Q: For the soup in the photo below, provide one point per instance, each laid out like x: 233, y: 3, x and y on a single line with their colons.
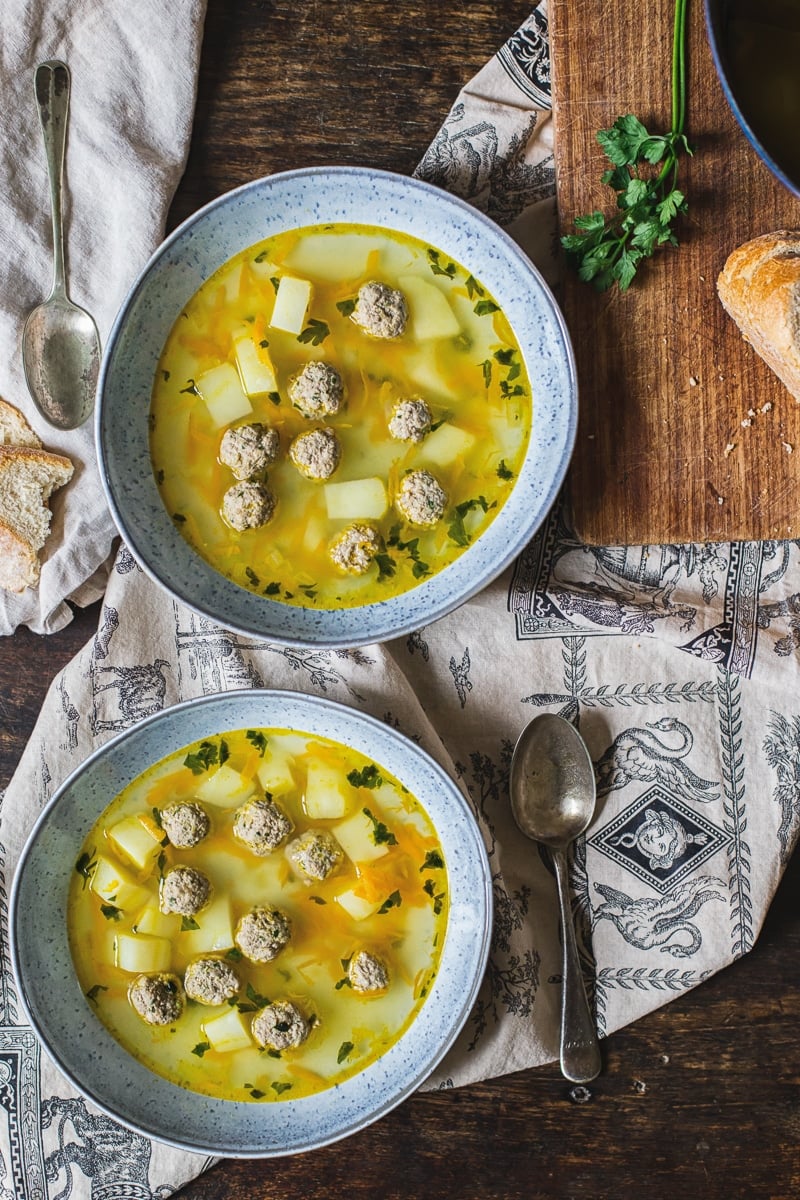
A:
x: 316, y: 450
x: 260, y: 915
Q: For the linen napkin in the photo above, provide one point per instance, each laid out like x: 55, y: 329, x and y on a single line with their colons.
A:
x: 134, y: 73
x: 678, y: 664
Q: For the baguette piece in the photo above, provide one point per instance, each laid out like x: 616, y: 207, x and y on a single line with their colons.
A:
x: 28, y: 478
x: 14, y: 429
x: 760, y: 288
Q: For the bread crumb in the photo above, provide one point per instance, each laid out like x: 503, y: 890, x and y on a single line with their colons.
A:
x: 766, y: 406
x: 751, y: 412
x: 746, y: 422
x: 729, y: 449
x: 720, y: 500
x: 692, y: 381
x: 788, y: 447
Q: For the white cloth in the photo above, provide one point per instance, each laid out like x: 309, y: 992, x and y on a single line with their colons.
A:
x: 678, y: 663
x: 134, y: 75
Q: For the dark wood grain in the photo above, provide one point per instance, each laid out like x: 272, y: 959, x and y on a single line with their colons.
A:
x: 665, y: 377
x: 701, y: 1098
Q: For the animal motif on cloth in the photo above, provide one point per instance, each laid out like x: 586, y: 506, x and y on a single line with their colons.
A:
x: 661, y: 838
x: 637, y: 754
x: 647, y: 922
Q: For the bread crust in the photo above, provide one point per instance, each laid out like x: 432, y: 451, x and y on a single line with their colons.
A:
x: 19, y: 557
x: 14, y: 429
x: 759, y: 287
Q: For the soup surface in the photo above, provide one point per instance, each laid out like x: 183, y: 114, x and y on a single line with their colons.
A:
x: 362, y: 916
x: 230, y: 362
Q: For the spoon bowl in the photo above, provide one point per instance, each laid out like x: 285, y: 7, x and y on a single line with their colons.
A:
x: 60, y: 343
x: 553, y: 799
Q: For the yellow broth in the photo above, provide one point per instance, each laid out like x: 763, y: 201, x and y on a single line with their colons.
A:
x: 473, y: 379
x: 405, y: 887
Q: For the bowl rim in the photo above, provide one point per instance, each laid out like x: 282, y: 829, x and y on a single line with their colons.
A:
x: 481, y: 896
x: 713, y: 14
x: 384, y: 626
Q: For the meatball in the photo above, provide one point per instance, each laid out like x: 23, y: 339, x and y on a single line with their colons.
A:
x: 248, y: 505
x: 158, y: 999
x: 184, y: 890
x: 185, y: 824
x: 263, y: 933
x: 249, y: 449
x: 410, y: 420
x: 380, y: 310
x: 317, y: 391
x: 315, y: 854
x: 316, y: 454
x: 420, y: 499
x: 280, y: 1026
x: 355, y: 547
x: 261, y: 825
x: 210, y: 981
x: 367, y: 973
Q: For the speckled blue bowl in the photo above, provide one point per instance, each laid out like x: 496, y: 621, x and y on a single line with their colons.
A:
x: 197, y: 249
x: 104, y: 1072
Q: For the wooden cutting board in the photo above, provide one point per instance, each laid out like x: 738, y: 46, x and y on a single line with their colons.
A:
x: 665, y: 378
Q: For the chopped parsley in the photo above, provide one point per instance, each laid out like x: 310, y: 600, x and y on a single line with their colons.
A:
x: 201, y: 1048
x: 345, y: 1050
x: 255, y: 1092
x: 260, y: 257
x: 317, y: 900
x: 272, y: 589
x: 393, y: 901
x: 254, y: 1001
x: 252, y: 577
x: 386, y: 566
x: 279, y: 1087
x: 434, y: 261
x: 205, y: 756
x: 346, y: 307
x: 504, y: 472
x: 484, y: 307
x: 191, y: 389
x: 486, y: 366
x: 473, y: 287
x: 275, y: 281
x: 367, y: 777
x: 433, y: 861
x: 188, y: 923
x: 111, y: 912
x: 381, y: 834
x: 456, y: 530
x: 275, y: 397
x: 258, y: 739
x: 95, y: 991
x: 315, y: 332
x: 86, y: 865
x: 234, y: 954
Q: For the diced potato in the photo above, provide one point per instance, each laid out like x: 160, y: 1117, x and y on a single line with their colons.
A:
x: 356, y: 837
x: 431, y: 314
x: 225, y: 788
x: 255, y: 367
x: 445, y: 445
x: 133, y: 839
x: 357, y: 906
x: 356, y: 498
x: 214, y: 928
x: 138, y: 952
x: 115, y: 885
x: 332, y: 258
x: 275, y: 773
x: 328, y: 795
x: 314, y: 534
x: 291, y: 304
x: 151, y: 920
x: 263, y: 267
x: 221, y: 389
x: 229, y: 1032
x: 231, y: 281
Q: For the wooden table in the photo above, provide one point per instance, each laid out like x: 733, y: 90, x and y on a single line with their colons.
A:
x: 702, y: 1098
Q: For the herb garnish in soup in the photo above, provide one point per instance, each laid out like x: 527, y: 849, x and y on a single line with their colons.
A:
x: 337, y: 414
x: 260, y: 915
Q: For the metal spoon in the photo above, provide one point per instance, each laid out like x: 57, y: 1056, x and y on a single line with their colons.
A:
x: 553, y: 799
x: 60, y: 343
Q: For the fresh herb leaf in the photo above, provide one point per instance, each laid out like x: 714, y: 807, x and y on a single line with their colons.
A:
x: 643, y: 174
x: 435, y: 265
x: 315, y: 332
x: 381, y: 834
x: 473, y: 287
x: 111, y: 912
x: 179, y: 517
x: 456, y: 530
x: 484, y: 307
x: 258, y: 739
x: 252, y: 577
x: 317, y: 900
x: 367, y: 777
x: 165, y: 376
x: 198, y: 761
x: 224, y: 752
x: 346, y: 307
x: 343, y: 982
x: 188, y: 923
x: 433, y: 861
x: 275, y: 397
x: 191, y: 389
x: 486, y: 365
x: 503, y: 472
x: 255, y: 1092
x: 386, y: 566
x: 234, y: 954
x: 393, y: 901
x: 275, y: 281
x: 345, y: 1050
x: 86, y: 865
x: 254, y: 1001
x: 201, y: 1048
x: 272, y: 589
x: 260, y: 257
x: 279, y: 1087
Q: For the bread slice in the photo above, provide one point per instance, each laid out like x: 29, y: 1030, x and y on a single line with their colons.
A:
x: 760, y: 288
x: 14, y: 429
x: 28, y: 478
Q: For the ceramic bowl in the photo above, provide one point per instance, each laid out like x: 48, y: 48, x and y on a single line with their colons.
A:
x: 743, y: 40
x: 197, y: 249
x: 98, y: 1066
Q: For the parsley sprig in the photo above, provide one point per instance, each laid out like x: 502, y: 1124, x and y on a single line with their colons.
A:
x: 644, y: 173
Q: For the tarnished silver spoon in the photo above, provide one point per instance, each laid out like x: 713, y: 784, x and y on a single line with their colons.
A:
x: 60, y: 343
x: 553, y: 799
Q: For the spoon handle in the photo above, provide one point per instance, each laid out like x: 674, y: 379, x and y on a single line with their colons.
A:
x: 52, y: 86
x: 580, y: 1052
